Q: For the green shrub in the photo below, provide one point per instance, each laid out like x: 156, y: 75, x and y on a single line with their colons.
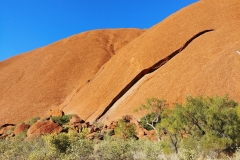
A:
x: 83, y: 133
x: 19, y: 149
x: 114, y: 149
x: 8, y: 132
x: 125, y: 130
x: 21, y: 136
x: 63, y: 119
x: 212, y: 124
x: 80, y: 149
x: 202, y: 128
x: 33, y: 120
x: 58, y: 143
x: 188, y: 154
x: 147, y: 150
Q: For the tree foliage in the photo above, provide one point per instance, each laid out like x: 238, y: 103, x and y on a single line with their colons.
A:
x: 62, y: 119
x: 149, y: 121
x: 58, y: 143
x: 211, y: 123
x: 151, y: 112
x: 125, y: 130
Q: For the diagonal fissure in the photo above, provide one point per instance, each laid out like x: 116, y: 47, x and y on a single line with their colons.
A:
x: 150, y: 70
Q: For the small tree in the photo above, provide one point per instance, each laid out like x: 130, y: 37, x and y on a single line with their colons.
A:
x: 171, y: 126
x: 125, y: 130
x: 149, y: 121
x: 151, y: 112
x: 211, y: 122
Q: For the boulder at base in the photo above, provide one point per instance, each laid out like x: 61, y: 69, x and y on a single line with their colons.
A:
x: 43, y: 127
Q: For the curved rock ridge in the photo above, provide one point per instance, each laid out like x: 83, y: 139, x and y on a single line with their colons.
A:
x: 199, y: 69
x: 34, y: 82
x: 150, y: 70
x: 43, y: 127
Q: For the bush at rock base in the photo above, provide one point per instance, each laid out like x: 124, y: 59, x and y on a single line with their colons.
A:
x: 187, y: 129
x: 62, y: 119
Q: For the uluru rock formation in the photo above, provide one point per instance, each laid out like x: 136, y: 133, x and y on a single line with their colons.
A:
x: 189, y: 53
x: 33, y: 83
x: 106, y: 74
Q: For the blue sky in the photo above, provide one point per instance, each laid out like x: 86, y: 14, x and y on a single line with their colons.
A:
x: 29, y: 24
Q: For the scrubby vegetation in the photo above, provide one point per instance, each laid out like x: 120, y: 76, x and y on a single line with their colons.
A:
x: 201, y: 128
x: 125, y: 130
x: 33, y: 120
x: 62, y: 119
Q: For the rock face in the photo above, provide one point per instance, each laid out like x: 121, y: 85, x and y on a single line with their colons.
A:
x: 105, y: 74
x: 76, y: 120
x: 43, y: 127
x: 56, y: 112
x: 192, y: 52
x: 34, y: 82
x: 21, y: 128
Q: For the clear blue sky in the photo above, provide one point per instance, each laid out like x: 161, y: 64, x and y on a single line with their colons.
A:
x: 29, y: 24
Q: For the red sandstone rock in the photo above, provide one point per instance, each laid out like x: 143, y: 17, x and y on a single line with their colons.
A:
x: 104, y: 75
x: 56, y: 112
x: 203, y: 37
x: 43, y: 127
x: 140, y: 133
x: 37, y: 81
x: 85, y: 125
x: 76, y: 120
x: 4, y: 129
x: 21, y: 128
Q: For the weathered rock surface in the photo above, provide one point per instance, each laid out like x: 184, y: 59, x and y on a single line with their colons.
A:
x: 56, y: 112
x: 76, y: 120
x: 207, y: 66
x: 21, y: 128
x: 6, y: 128
x: 103, y: 75
x: 43, y: 127
x: 192, y: 52
x: 34, y: 82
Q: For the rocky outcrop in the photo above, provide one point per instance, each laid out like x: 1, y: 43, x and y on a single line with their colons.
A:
x: 21, y: 128
x: 103, y: 75
x: 76, y: 121
x: 6, y: 131
x: 76, y: 126
x: 43, y: 127
x: 5, y: 128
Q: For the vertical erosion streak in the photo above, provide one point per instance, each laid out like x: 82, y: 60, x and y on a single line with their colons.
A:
x: 150, y: 70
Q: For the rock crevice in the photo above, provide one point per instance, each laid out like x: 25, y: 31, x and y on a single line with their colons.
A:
x: 150, y: 70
